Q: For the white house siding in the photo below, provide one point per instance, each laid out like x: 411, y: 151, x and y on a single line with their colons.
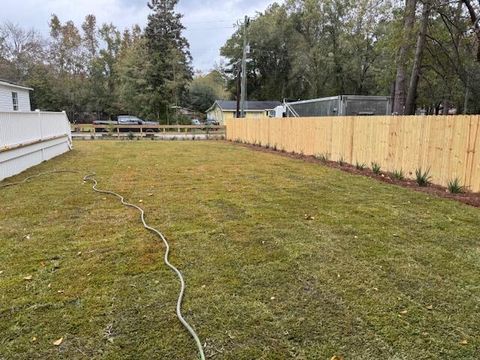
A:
x: 27, y: 139
x: 6, y: 103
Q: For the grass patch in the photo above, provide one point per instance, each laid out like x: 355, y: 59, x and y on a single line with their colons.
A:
x: 374, y: 272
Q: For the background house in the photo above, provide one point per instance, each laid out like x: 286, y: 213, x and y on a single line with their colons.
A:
x: 14, y: 97
x: 223, y: 110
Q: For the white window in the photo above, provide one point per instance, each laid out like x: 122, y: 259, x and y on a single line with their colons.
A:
x: 15, y: 101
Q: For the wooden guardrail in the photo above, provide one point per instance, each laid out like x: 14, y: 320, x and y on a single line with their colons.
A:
x: 117, y: 130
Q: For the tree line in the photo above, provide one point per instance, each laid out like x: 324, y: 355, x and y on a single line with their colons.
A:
x: 424, y: 53
x: 97, y: 71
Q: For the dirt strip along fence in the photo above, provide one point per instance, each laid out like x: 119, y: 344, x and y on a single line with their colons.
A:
x: 447, y: 145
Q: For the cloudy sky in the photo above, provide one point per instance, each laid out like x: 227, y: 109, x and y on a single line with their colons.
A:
x: 209, y: 22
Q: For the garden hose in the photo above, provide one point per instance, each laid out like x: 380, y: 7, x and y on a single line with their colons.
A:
x: 90, y: 178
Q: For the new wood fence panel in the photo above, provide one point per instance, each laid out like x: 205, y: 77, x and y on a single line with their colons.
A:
x: 474, y: 181
x: 447, y: 145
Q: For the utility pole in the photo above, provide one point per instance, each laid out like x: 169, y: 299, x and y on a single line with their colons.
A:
x: 244, y: 68
x: 239, y: 80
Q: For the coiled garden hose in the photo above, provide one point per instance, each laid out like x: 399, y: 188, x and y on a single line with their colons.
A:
x: 90, y: 178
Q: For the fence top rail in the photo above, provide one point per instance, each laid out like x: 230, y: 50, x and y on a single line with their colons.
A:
x: 33, y: 112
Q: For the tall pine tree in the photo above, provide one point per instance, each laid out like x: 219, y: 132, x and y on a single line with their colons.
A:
x: 170, y: 70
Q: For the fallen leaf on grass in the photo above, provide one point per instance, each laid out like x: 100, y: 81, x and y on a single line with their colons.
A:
x: 309, y: 217
x: 1, y: 272
x: 403, y: 312
x: 335, y: 357
x: 29, y: 277
x: 464, y: 342
x: 58, y: 342
x: 430, y: 307
x: 140, y: 201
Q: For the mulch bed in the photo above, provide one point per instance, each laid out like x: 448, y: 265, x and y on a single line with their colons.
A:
x: 468, y: 198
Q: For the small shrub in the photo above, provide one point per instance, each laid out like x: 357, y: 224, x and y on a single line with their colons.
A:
x: 422, y: 177
x: 324, y: 158
x: 376, y: 168
x: 341, y: 161
x: 173, y: 138
x: 360, y: 166
x: 274, y: 147
x: 398, y: 174
x: 130, y: 135
x: 455, y: 187
x: 267, y: 146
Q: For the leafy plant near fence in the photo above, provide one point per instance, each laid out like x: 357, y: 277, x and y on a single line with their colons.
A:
x: 360, y: 166
x: 376, y: 168
x: 341, y: 161
x: 454, y: 186
x: 422, y: 177
x: 398, y: 175
x: 324, y: 157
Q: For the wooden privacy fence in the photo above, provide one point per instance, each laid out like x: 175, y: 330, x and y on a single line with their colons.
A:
x: 447, y: 145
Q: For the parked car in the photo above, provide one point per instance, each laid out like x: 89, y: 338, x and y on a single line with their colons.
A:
x: 129, y: 120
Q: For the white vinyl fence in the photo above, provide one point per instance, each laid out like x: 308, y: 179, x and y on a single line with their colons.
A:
x: 29, y: 138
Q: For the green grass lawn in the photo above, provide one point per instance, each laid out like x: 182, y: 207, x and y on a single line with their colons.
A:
x: 380, y: 272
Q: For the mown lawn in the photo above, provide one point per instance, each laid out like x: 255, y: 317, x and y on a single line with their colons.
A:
x: 380, y: 272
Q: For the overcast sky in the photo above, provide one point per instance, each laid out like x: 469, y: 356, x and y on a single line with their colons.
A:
x: 209, y: 22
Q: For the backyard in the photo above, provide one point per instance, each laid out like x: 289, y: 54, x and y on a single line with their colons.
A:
x: 282, y: 259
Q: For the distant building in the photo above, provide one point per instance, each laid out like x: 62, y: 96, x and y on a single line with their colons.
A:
x: 343, y: 105
x: 223, y: 110
x: 14, y: 97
